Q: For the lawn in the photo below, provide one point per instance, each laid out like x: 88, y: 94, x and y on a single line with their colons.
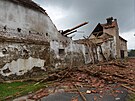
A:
x: 131, y: 97
x: 12, y: 90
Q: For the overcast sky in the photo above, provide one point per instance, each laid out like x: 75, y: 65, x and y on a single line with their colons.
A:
x: 66, y: 14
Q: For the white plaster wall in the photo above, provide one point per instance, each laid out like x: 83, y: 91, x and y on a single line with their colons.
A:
x: 22, y: 65
x: 123, y: 46
x: 100, y: 58
x: 115, y: 47
x: 106, y: 49
x: 16, y: 16
x: 87, y: 56
x: 74, y: 47
x: 54, y: 46
x: 77, y: 48
x: 115, y: 33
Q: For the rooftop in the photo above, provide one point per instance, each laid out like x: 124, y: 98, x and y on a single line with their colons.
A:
x: 29, y: 4
x: 122, y: 39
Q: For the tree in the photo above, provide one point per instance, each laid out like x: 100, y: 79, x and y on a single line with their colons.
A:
x: 131, y: 53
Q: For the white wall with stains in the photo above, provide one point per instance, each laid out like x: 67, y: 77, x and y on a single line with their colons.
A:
x: 17, y: 16
x: 19, y: 58
x: 21, y: 66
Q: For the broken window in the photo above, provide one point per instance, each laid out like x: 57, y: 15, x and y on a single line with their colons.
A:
x: 86, y: 51
x: 61, y: 51
x: 4, y: 51
x: 19, y: 29
x: 5, y: 28
x: 122, y: 54
x: 46, y: 34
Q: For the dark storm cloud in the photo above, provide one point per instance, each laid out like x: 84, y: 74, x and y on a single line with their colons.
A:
x: 94, y: 11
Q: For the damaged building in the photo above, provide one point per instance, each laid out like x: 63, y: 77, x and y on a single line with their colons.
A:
x: 104, y: 43
x: 114, y: 46
x: 30, y: 43
x: 29, y: 40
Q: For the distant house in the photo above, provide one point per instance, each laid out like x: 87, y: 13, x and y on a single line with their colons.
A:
x: 113, y: 45
x: 104, y: 43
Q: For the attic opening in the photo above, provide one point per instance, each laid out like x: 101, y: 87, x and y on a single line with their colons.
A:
x: 98, y: 31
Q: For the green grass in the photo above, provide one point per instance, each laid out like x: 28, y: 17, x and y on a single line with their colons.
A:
x: 15, y: 89
x: 131, y: 97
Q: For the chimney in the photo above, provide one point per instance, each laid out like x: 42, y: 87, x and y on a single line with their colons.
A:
x: 115, y: 20
x: 109, y: 20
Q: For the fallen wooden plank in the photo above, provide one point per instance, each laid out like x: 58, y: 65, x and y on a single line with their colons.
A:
x: 83, y: 97
x: 129, y: 88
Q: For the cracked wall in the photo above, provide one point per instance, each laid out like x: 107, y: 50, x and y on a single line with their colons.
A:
x: 19, y: 58
x: 72, y: 54
x: 24, y: 33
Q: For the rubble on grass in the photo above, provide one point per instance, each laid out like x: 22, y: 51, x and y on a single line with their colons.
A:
x: 100, y: 77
